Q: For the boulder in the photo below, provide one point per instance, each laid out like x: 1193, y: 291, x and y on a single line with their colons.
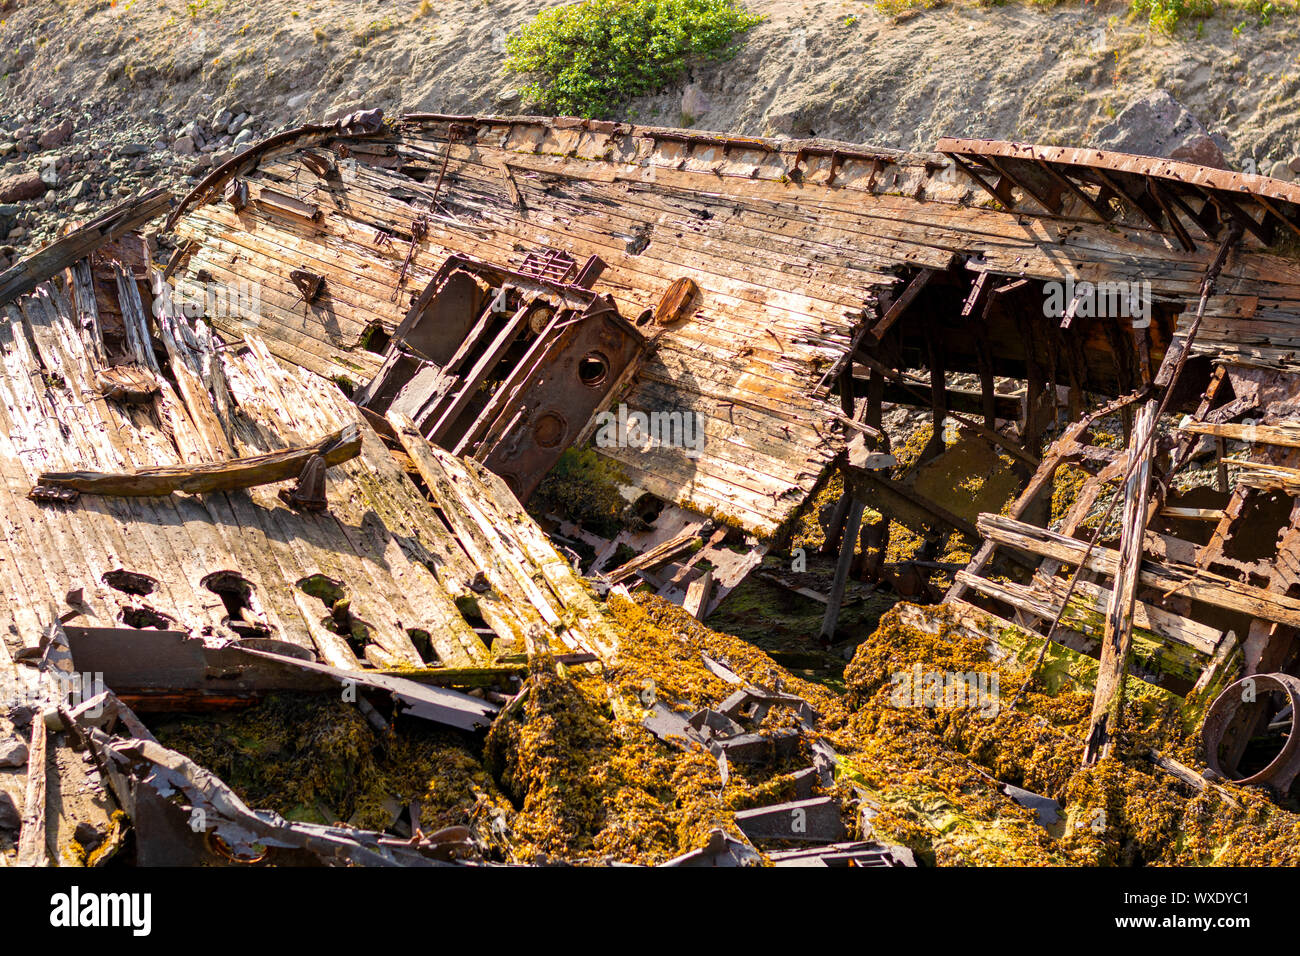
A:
x: 694, y: 103
x: 56, y: 136
x: 10, y: 819
x: 21, y: 186
x: 1158, y: 125
x: 20, y: 715
x: 13, y: 751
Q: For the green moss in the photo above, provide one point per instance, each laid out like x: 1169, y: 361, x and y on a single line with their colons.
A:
x: 584, y: 486
x: 315, y: 758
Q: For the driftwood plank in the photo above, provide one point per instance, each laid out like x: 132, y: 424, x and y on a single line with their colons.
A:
x: 1088, y: 602
x: 1286, y: 434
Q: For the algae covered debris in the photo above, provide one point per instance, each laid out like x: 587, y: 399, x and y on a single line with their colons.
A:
x: 570, y: 773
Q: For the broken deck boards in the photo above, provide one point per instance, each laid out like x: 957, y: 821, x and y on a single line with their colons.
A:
x: 374, y: 581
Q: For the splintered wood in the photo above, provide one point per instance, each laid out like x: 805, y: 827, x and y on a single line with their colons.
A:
x: 770, y: 263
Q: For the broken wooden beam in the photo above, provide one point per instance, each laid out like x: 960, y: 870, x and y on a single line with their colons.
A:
x: 659, y: 554
x: 1117, y: 643
x: 697, y: 595
x: 1255, y: 474
x: 1285, y: 434
x: 1195, y: 514
x: 1193, y: 583
x: 847, y: 548
x: 32, y: 850
x: 341, y: 446
x: 919, y: 282
x: 1087, y: 603
x: 26, y: 274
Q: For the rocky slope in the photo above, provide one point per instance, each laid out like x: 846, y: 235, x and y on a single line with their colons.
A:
x: 100, y: 98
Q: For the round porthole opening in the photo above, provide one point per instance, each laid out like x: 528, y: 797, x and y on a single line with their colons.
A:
x: 593, y: 370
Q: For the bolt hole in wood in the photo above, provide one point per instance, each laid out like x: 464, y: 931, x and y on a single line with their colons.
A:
x: 340, y: 619
x: 236, y: 593
x: 130, y: 582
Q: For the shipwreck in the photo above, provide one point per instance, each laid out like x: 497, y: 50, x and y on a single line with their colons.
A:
x: 308, y: 456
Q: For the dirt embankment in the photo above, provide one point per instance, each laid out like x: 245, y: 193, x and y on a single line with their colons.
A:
x: 104, y: 97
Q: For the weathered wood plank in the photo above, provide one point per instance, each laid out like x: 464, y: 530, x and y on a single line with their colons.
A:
x: 248, y: 472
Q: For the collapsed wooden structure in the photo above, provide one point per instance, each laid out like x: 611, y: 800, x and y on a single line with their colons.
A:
x: 771, y: 276
x: 129, y: 514
x: 491, y: 290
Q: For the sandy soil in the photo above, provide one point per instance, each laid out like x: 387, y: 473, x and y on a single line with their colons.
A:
x: 835, y: 68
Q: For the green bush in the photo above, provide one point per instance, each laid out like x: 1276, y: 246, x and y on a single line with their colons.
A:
x: 590, y: 57
x: 1163, y: 16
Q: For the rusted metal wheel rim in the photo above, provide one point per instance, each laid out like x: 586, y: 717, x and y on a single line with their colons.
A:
x: 1283, y: 768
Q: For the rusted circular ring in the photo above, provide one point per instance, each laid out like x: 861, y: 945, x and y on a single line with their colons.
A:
x: 1282, y: 770
x: 219, y: 847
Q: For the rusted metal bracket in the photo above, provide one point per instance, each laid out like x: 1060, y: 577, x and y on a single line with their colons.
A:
x: 837, y: 156
x: 236, y: 193
x: 419, y: 230
x: 308, y: 494
x: 728, y: 143
x: 309, y: 284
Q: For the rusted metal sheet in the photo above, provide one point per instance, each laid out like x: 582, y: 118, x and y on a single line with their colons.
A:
x: 513, y: 394
x: 553, y: 401
x: 161, y: 666
x: 185, y: 815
